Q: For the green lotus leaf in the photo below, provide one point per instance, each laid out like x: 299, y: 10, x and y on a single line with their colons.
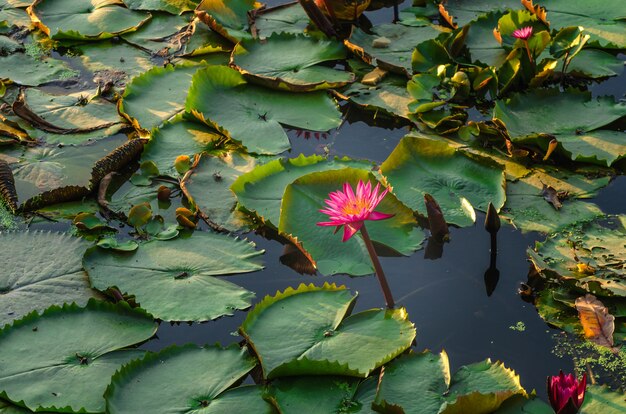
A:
x: 291, y: 62
x: 570, y: 112
x: 82, y: 19
x: 388, y: 96
x: 421, y: 384
x: 396, y: 56
x: 458, y: 181
x: 198, y: 381
x: 27, y: 70
x: 8, y: 408
x: 183, y: 268
x: 83, y: 348
x: 304, y: 198
x: 170, y: 6
x: 210, y: 187
x: 261, y: 190
x: 229, y: 19
x: 307, y: 331
x: 340, y: 394
x: 600, y: 399
x: 46, y: 278
x: 130, y: 195
x: 527, y: 209
x: 12, y: 13
x: 179, y: 136
x: 603, y: 21
x: 287, y: 18
x: 253, y: 115
x: 428, y: 55
x: 519, y: 404
x: 599, y: 245
x: 594, y: 63
x: 157, y: 95
x: 482, y: 45
x: 56, y: 174
x: 114, y: 62
x: 160, y: 32
x: 465, y: 12
x: 83, y: 117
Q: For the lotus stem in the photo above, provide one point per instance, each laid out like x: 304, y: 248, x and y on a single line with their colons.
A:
x: 530, y: 56
x: 379, y: 269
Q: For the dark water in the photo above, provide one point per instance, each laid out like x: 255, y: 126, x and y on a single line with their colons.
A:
x: 445, y: 298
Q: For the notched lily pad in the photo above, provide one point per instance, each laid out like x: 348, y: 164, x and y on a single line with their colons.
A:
x: 291, y: 62
x: 83, y: 348
x: 307, y: 331
x: 229, y: 19
x: 183, y: 267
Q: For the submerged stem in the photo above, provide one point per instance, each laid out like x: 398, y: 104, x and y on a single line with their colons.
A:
x: 379, y: 269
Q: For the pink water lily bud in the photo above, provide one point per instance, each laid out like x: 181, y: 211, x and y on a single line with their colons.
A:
x: 524, y: 33
x: 349, y: 209
x: 566, y: 393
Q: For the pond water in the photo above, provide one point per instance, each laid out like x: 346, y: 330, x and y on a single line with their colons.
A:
x: 448, y: 299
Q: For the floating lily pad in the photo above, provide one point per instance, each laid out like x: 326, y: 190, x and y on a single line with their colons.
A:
x: 305, y: 197
x: 47, y: 278
x: 170, y: 6
x: 458, y: 181
x: 570, y: 112
x: 291, y: 62
x: 229, y: 19
x: 253, y: 115
x: 591, y: 255
x: 179, y: 137
x: 261, y: 190
x: 160, y: 33
x: 307, y: 331
x: 286, y: 18
x: 130, y: 195
x: 26, y: 70
x: 198, y: 380
x: 210, y: 187
x: 395, y: 56
x: 601, y: 146
x: 602, y: 400
x: 483, y: 47
x: 83, y: 348
x: 341, y: 394
x: 12, y: 13
x: 85, y: 19
x: 527, y: 209
x: 182, y: 268
x: 594, y: 63
x: 422, y: 384
x: 157, y: 95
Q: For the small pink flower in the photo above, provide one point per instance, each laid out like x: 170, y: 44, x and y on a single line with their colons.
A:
x: 566, y: 393
x: 345, y: 208
x: 524, y: 33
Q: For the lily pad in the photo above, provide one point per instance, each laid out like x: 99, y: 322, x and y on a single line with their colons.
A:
x: 12, y: 13
x: 198, y: 381
x: 458, y: 181
x: 286, y: 18
x: 341, y: 394
x: 261, y: 190
x: 129, y: 195
x: 85, y: 19
x: 422, y: 384
x: 83, y: 348
x: 304, y: 198
x: 396, y: 56
x: 591, y: 255
x: 291, y: 62
x: 253, y: 115
x: 179, y: 136
x: 210, y: 187
x: 229, y: 19
x: 602, y: 400
x: 47, y: 278
x: 116, y: 63
x: 170, y: 6
x: 26, y: 70
x: 157, y: 95
x: 307, y: 331
x: 594, y: 63
x: 570, y: 112
x: 185, y: 268
x: 602, y: 146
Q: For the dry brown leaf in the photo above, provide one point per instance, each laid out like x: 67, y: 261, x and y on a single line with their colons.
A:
x: 374, y: 77
x: 497, y: 35
x: 447, y: 16
x: 598, y: 324
x: 551, y: 147
x: 551, y: 196
x: 538, y: 11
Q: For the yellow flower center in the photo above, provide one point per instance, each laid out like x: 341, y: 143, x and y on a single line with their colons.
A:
x: 356, y: 207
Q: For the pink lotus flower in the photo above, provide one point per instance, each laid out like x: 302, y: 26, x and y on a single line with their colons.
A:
x: 524, y: 33
x: 345, y: 208
x: 566, y: 393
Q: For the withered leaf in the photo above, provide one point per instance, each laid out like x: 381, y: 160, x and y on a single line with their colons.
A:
x: 551, y: 196
x: 598, y: 324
